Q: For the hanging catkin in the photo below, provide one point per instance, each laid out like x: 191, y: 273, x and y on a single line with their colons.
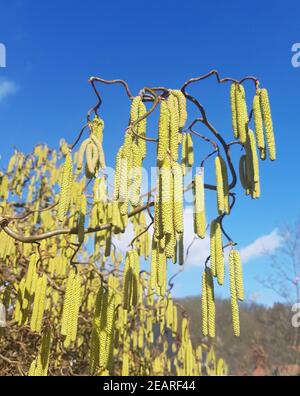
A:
x: 71, y: 307
x: 117, y: 175
x: 233, y: 110
x: 258, y: 122
x: 123, y: 187
x: 267, y: 118
x: 220, y: 185
x: 65, y: 188
x: 161, y: 270
x: 141, y: 128
x: 252, y: 165
x: 163, y: 132
x: 153, y: 269
x: 166, y: 181
x: 136, y: 174
x: 158, y: 222
x: 204, y: 307
x: 181, y: 107
x: 39, y: 304
x: 199, y: 205
x: 220, y: 267
x: 233, y: 293
x: 97, y: 127
x: 225, y: 185
x: 80, y: 154
x: 134, y: 108
x: 173, y: 126
x: 213, y: 247
x: 39, y: 366
x: 76, y: 301
x: 178, y: 197
x: 238, y: 274
x: 210, y: 302
x: 241, y: 112
x: 131, y: 286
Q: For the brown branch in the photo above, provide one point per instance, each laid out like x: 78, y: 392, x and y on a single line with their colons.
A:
x: 69, y: 231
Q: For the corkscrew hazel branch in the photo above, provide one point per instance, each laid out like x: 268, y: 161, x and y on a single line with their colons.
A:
x: 219, y: 79
x: 71, y: 231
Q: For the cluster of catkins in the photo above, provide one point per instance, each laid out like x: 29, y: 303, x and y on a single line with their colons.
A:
x: 78, y: 298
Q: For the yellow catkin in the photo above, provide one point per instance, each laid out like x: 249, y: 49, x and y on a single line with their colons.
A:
x: 117, y: 174
x: 220, y: 185
x: 175, y: 319
x: 190, y: 150
x: 97, y: 127
x: 136, y: 175
x: 153, y: 269
x: 252, y: 166
x: 233, y: 110
x: 65, y: 188
x: 238, y: 275
x: 158, y: 226
x: 178, y: 197
x: 199, y: 205
x: 99, y: 157
x: 76, y: 299
x: 136, y: 287
x: 268, y: 124
x: 233, y: 293
x: 67, y: 307
x: 18, y: 314
x: 241, y: 111
x: 170, y: 246
x: 213, y: 247
x: 220, y: 267
x: 95, y: 341
x: 141, y: 128
x: 131, y: 280
x: 44, y: 355
x: 161, y: 271
x: 166, y: 184
x: 173, y: 126
x: 204, y: 308
x: 225, y: 185
x: 39, y: 304
x: 210, y: 303
x: 258, y: 122
x: 125, y: 364
x: 163, y: 132
x: 181, y: 107
x: 91, y: 157
x: 134, y: 108
x: 123, y: 187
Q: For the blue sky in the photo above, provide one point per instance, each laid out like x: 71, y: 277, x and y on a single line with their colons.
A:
x: 54, y: 47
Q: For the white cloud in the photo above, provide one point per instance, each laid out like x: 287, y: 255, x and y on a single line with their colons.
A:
x: 7, y: 88
x: 199, y: 249
x: 262, y: 246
